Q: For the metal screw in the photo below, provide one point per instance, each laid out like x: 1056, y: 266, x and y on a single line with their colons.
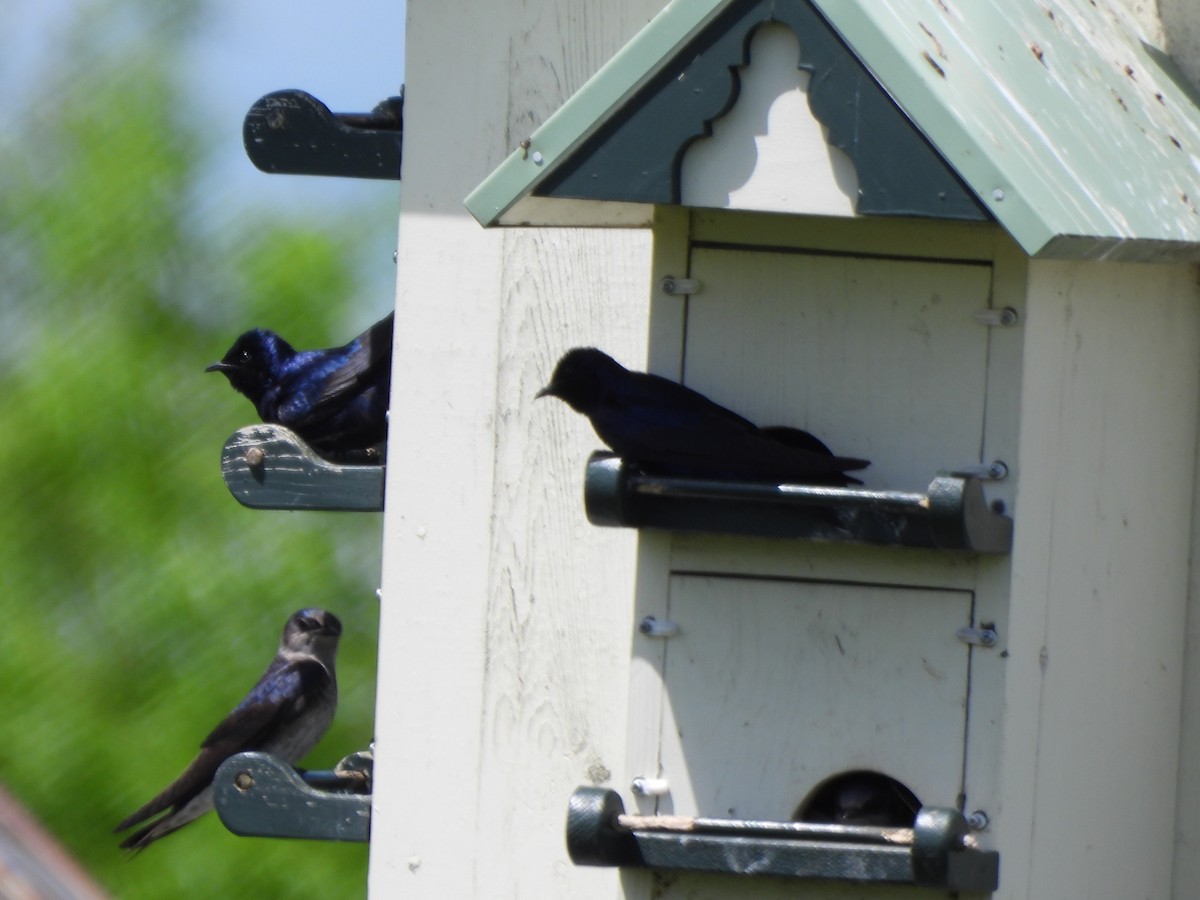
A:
x: 978, y: 820
x: 537, y: 157
x: 243, y: 781
x: 255, y: 457
x: 997, y: 470
x: 998, y: 194
x: 276, y: 119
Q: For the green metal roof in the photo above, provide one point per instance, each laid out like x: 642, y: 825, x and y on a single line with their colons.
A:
x: 1078, y: 137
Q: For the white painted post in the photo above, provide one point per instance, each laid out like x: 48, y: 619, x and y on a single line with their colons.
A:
x: 506, y: 619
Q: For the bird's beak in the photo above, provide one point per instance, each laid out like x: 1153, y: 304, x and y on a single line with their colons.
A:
x: 219, y: 367
x: 547, y: 391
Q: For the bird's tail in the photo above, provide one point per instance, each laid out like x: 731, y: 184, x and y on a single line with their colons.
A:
x: 799, y: 439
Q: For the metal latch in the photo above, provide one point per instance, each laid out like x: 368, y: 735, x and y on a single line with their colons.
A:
x: 984, y: 637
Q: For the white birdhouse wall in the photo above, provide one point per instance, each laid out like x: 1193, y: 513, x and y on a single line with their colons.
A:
x: 511, y: 670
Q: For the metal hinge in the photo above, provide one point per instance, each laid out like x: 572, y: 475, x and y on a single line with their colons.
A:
x: 984, y: 637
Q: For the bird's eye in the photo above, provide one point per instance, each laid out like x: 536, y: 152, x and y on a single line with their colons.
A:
x: 308, y: 623
x: 244, y: 356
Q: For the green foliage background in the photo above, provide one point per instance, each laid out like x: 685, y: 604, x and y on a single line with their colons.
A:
x: 140, y: 600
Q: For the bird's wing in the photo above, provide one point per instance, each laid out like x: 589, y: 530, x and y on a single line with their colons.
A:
x: 670, y: 398
x: 280, y: 695
x: 799, y: 439
x: 649, y: 418
x: 669, y: 427
x: 364, y: 362
x: 796, y: 437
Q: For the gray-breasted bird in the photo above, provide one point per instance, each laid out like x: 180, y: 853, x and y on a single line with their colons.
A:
x: 669, y: 429
x: 335, y: 399
x: 284, y: 714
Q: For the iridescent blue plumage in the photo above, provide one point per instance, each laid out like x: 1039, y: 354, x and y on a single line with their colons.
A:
x: 335, y: 399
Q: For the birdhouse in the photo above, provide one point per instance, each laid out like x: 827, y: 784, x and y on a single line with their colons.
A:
x: 957, y: 240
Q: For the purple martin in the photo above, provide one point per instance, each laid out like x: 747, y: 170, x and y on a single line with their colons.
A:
x: 335, y: 399
x: 666, y: 428
x: 284, y: 714
x: 862, y: 797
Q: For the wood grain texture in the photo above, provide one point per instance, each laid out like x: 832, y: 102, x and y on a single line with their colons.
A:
x: 1100, y: 581
x: 429, y: 700
x: 559, y: 616
x: 506, y: 618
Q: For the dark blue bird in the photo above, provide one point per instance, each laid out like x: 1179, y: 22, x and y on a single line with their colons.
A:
x: 285, y: 714
x: 335, y: 399
x: 666, y: 428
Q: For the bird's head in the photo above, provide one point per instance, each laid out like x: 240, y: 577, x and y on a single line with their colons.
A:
x: 311, y: 632
x: 581, y: 378
x: 252, y: 361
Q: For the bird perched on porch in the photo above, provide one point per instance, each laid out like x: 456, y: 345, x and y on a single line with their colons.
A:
x: 285, y: 714
x: 335, y: 399
x: 666, y: 428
